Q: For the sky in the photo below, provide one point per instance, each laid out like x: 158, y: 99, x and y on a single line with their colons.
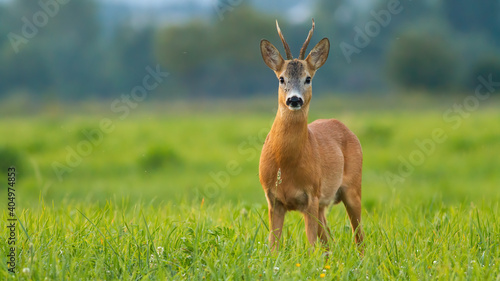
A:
x: 160, y: 2
x: 152, y: 2
x: 296, y: 12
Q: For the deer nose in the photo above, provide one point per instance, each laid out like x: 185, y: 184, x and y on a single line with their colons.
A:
x: 294, y: 101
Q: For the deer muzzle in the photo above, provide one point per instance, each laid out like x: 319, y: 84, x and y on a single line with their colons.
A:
x: 294, y: 102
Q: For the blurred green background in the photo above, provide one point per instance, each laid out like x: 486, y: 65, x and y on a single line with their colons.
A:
x: 170, y: 100
x: 79, y: 50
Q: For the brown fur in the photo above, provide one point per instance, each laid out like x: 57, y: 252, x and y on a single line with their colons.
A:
x: 307, y: 167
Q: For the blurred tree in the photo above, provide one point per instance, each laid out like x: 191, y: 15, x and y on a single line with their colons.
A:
x: 394, y: 18
x: 334, y: 20
x: 236, y: 43
x: 184, y: 50
x: 422, y: 60
x: 488, y: 67
x: 468, y: 16
x: 6, y: 19
x: 56, y: 48
x: 71, y: 46
x: 360, y: 36
x: 70, y: 57
x: 332, y: 14
x: 130, y: 52
x: 28, y: 71
x: 5, y: 15
x: 208, y: 58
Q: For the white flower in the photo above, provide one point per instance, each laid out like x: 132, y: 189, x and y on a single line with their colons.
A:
x: 159, y: 250
x: 26, y: 270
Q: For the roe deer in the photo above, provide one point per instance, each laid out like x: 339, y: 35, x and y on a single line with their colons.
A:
x: 307, y: 167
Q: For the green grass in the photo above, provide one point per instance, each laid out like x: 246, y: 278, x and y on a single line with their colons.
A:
x: 186, y: 180
x: 142, y: 241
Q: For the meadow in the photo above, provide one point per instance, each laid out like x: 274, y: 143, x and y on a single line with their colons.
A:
x: 170, y: 191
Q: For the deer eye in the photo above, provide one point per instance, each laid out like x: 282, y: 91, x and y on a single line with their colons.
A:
x: 308, y: 80
x: 282, y: 80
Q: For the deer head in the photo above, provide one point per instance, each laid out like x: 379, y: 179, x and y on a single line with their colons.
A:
x: 295, y: 75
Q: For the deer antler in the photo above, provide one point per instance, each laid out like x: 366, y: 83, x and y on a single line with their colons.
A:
x: 304, y: 47
x: 285, y: 44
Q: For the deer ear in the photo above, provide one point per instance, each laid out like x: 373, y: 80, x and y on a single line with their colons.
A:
x: 271, y: 55
x: 318, y: 55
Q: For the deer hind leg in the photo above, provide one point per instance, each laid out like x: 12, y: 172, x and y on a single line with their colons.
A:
x: 352, y: 202
x: 350, y: 190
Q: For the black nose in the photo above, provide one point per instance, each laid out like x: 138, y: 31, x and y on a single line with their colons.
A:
x: 294, y: 101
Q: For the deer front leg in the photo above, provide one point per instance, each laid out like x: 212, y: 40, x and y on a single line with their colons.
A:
x: 276, y: 218
x: 311, y: 220
x: 324, y: 232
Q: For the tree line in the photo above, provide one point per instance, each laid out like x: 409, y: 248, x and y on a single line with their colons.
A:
x: 68, y: 50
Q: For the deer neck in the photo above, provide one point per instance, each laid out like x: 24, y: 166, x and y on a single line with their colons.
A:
x: 289, y: 134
